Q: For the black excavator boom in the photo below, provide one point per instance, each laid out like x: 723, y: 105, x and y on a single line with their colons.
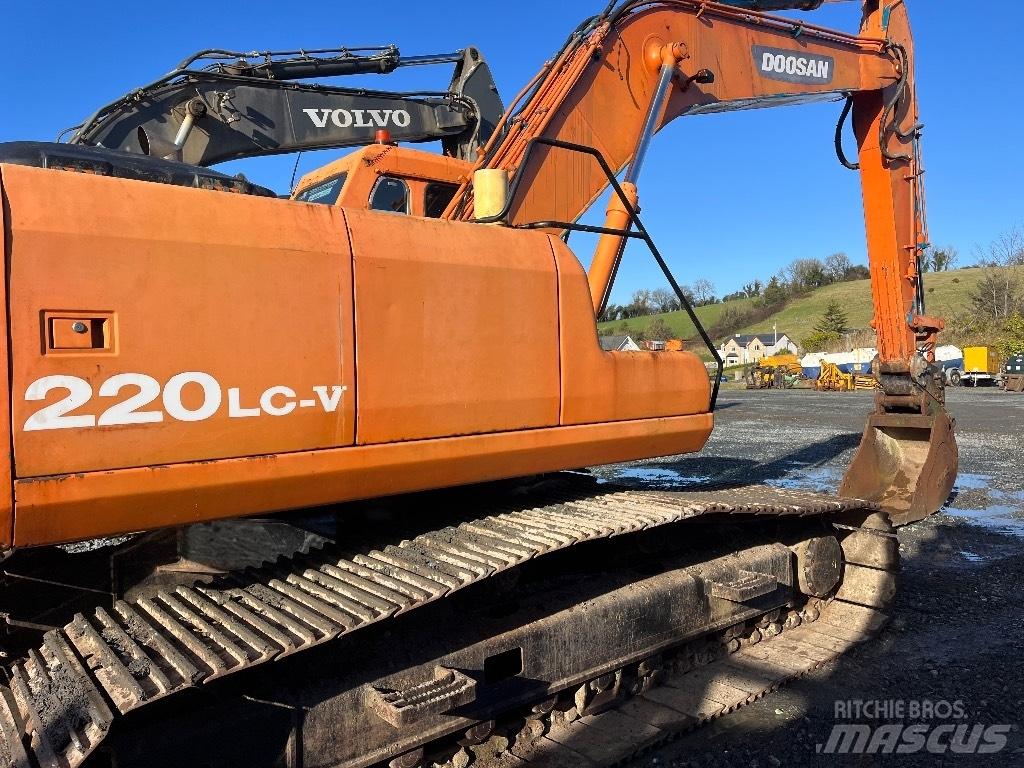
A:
x: 223, y: 105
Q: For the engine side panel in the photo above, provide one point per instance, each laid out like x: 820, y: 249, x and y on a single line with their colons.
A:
x: 614, y: 386
x: 215, y: 325
x: 456, y: 328
x: 226, y: 344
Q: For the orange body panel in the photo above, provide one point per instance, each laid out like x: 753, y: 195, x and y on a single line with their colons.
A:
x: 612, y: 386
x: 6, y: 455
x: 82, y: 506
x: 452, y: 340
x: 251, y: 292
x: 196, y: 327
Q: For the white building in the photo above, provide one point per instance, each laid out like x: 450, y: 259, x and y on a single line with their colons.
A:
x: 746, y: 348
x: 618, y: 344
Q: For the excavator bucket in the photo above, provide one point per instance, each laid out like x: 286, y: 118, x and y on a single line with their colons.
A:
x: 906, y: 463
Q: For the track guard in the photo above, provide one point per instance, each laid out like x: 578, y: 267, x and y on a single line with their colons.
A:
x: 906, y: 463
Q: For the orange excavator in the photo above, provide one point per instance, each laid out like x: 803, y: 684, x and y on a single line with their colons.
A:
x: 291, y: 480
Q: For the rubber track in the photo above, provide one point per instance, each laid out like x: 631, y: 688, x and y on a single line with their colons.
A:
x: 63, y: 698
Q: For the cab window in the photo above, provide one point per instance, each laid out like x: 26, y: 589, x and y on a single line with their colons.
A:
x: 437, y: 198
x: 390, y: 194
x: 326, y: 192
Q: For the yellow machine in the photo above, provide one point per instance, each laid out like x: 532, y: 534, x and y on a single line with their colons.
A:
x: 832, y: 379
x: 981, y: 367
x: 776, y: 371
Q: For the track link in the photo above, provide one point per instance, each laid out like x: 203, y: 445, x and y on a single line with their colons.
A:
x: 698, y: 683
x: 63, y: 698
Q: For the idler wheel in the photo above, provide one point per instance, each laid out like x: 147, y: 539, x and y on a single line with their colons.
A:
x: 819, y: 565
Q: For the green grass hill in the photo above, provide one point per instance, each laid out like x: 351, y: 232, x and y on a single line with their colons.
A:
x: 945, y: 294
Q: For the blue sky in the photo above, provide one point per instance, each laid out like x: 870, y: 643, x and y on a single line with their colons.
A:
x: 727, y: 197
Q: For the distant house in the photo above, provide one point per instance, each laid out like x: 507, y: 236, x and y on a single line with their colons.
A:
x: 750, y: 347
x: 618, y: 344
x: 669, y: 345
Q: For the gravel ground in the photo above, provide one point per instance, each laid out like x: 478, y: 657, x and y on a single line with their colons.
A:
x: 956, y: 638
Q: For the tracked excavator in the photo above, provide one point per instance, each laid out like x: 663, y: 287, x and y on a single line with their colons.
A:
x: 297, y: 482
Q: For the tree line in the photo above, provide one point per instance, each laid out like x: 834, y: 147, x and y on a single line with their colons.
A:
x: 798, y: 278
x: 1000, y: 293
x: 655, y: 301
x: 994, y: 311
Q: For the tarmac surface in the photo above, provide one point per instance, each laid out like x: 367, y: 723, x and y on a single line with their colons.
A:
x: 951, y: 660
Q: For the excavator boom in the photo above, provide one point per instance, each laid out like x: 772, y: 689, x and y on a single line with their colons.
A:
x: 219, y: 105
x: 652, y: 61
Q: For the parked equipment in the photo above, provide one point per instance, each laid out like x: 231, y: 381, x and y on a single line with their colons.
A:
x: 832, y: 379
x: 298, y: 427
x: 774, y: 372
x: 981, y: 368
x: 1013, y: 374
x: 222, y: 105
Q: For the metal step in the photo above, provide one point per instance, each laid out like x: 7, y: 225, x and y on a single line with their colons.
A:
x: 449, y: 688
x: 746, y: 586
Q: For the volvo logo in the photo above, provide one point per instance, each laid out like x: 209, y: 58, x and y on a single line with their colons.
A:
x: 359, y: 118
x: 794, y: 66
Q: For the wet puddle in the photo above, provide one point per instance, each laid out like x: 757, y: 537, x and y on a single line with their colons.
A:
x: 819, y: 479
x: 1003, y: 514
x: 668, y: 478
x: 972, y: 557
x: 998, y: 518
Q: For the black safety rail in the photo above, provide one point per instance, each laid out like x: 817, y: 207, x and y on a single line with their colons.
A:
x: 641, y: 233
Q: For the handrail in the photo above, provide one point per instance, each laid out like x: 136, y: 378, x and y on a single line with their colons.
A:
x: 634, y: 221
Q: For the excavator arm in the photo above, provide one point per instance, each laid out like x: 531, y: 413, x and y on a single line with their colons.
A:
x: 630, y: 71
x: 221, y: 105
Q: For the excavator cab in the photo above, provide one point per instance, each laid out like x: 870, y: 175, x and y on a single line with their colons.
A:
x: 385, y: 177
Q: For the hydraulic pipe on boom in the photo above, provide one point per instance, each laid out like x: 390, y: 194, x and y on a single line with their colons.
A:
x: 608, y: 254
x: 610, y: 247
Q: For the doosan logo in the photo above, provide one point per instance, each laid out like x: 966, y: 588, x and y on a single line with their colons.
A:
x: 359, y: 118
x: 794, y: 66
